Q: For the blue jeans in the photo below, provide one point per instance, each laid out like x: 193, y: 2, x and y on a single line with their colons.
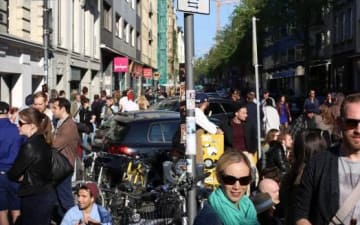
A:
x: 37, y: 209
x: 65, y: 198
x: 9, y: 200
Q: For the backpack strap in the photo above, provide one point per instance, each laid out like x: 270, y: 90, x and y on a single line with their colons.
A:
x: 345, y: 208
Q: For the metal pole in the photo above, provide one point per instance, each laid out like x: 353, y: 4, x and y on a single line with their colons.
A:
x: 46, y: 41
x: 256, y: 65
x: 190, y: 112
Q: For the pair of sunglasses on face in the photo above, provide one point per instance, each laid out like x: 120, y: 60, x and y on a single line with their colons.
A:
x: 21, y: 123
x: 231, y: 180
x: 350, y: 123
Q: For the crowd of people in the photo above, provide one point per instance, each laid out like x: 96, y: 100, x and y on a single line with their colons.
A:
x: 28, y: 193
x: 302, y: 161
x: 307, y: 170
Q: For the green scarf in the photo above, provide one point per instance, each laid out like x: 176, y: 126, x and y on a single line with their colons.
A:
x: 231, y: 215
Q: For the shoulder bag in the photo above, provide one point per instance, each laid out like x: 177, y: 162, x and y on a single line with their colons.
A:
x: 60, y: 166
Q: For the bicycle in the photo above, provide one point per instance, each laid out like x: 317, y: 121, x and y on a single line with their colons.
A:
x: 136, y: 173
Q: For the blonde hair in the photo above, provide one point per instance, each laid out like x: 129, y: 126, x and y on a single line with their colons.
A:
x: 143, y: 102
x: 230, y: 157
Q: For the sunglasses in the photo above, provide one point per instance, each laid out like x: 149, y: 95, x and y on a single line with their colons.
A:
x: 231, y: 180
x: 21, y: 123
x: 351, y: 123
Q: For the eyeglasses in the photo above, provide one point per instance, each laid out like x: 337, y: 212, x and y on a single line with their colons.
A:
x: 231, y: 180
x: 351, y: 123
x: 21, y: 123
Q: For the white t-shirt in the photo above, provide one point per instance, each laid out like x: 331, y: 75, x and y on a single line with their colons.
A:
x: 202, y: 120
x: 271, y: 118
x: 130, y: 106
x: 122, y: 102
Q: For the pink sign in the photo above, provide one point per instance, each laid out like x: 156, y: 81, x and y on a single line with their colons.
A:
x: 147, y: 73
x: 121, y: 64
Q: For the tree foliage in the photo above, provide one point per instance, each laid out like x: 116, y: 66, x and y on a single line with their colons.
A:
x: 233, y: 42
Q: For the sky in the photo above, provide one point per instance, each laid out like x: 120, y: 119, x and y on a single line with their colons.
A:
x: 205, y: 26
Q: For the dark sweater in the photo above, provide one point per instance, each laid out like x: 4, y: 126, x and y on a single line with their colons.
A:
x: 317, y: 197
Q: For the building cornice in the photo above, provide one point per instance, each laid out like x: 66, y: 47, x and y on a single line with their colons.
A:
x: 18, y: 40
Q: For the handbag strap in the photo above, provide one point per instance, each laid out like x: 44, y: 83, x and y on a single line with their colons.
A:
x: 345, y: 208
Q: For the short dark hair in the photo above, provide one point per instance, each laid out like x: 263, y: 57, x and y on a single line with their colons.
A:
x: 352, y: 98
x: 85, y: 100
x: 237, y: 107
x: 85, y: 90
x: 63, y: 102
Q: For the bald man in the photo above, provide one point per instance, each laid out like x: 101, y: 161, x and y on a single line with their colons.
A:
x: 270, y: 186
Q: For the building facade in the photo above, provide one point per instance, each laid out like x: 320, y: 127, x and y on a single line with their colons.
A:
x: 346, y: 46
x: 149, y: 40
x: 21, y: 51
x: 284, y: 58
x: 85, y: 40
x: 75, y: 46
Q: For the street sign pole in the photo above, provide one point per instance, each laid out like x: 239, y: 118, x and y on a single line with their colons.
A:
x: 256, y: 66
x: 190, y: 112
x: 189, y: 7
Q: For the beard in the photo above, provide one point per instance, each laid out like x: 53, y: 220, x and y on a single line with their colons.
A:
x: 351, y: 142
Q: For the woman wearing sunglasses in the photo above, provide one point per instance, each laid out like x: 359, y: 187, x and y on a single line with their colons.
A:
x: 228, y: 204
x: 32, y: 168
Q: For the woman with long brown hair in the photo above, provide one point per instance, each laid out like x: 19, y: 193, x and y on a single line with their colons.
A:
x: 32, y: 168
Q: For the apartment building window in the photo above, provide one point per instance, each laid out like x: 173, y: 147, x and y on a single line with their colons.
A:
x: 138, y: 41
x: 133, y: 4
x: 299, y: 53
x: 121, y: 27
x: 336, y: 30
x: 126, y: 32
x: 342, y: 27
x: 132, y: 34
x: 319, y: 40
x: 138, y: 7
x: 291, y: 55
x: 107, y: 16
x: 117, y: 25
x: 291, y: 28
x: 268, y: 41
x: 348, y: 24
x: 151, y: 10
x: 328, y: 37
x: 3, y: 21
x: 283, y: 57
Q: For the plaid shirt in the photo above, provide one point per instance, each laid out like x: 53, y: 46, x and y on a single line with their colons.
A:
x: 301, y: 123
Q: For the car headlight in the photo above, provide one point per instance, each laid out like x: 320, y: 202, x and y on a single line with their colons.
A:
x: 208, y: 163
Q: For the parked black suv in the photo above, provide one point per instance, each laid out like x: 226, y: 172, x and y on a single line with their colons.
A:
x: 147, y: 134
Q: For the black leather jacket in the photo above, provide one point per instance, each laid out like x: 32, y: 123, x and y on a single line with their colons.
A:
x: 275, y: 157
x: 34, y: 164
